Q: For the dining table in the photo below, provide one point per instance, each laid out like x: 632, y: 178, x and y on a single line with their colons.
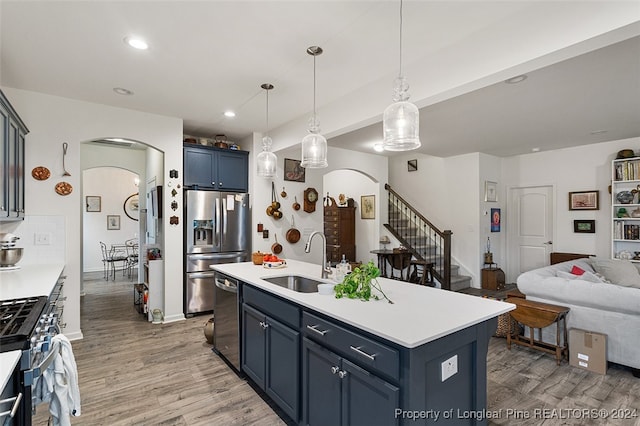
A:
x: 392, y: 257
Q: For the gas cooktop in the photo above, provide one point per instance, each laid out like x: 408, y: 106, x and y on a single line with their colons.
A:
x: 18, y: 319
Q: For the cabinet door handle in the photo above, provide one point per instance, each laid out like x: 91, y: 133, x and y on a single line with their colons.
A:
x: 220, y: 183
x: 334, y: 369
x: 357, y: 350
x: 264, y: 325
x: 314, y: 328
x: 342, y: 374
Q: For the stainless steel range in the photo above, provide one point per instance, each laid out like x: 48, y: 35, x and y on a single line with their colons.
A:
x: 28, y: 324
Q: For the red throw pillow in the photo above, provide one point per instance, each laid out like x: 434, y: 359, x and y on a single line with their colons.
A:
x: 577, y: 270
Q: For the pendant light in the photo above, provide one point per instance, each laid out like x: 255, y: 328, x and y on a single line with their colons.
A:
x: 267, y: 160
x: 314, y: 145
x: 401, y: 119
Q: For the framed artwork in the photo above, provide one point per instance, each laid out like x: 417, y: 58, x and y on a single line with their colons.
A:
x: 412, y: 165
x: 113, y: 222
x: 584, y: 200
x: 490, y: 191
x: 368, y: 207
x: 293, y: 171
x: 495, y: 220
x: 132, y: 207
x: 584, y: 226
x: 93, y: 203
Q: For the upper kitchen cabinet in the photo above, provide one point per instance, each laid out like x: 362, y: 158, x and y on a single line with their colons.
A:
x: 12, y: 161
x: 215, y: 168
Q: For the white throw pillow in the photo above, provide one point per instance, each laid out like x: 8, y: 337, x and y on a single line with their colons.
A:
x: 621, y: 272
x: 567, y: 275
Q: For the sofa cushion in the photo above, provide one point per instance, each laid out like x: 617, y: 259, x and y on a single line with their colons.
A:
x: 586, y: 276
x: 621, y: 272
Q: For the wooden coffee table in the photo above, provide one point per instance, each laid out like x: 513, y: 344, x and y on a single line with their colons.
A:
x: 539, y: 315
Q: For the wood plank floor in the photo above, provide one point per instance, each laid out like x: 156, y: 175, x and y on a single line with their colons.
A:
x: 132, y: 372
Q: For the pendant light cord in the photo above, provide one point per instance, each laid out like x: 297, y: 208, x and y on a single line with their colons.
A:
x: 314, y: 87
x: 267, y: 132
x: 400, y: 54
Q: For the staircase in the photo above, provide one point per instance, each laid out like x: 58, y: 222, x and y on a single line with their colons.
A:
x: 424, y: 241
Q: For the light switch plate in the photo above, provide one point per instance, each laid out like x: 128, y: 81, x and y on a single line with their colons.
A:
x: 42, y: 239
x: 449, y: 367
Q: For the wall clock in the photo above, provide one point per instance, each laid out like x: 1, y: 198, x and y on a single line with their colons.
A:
x: 310, y: 199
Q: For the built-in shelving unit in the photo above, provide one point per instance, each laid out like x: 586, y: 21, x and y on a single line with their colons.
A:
x: 625, y: 208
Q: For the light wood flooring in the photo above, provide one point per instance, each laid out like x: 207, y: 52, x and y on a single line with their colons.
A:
x: 132, y: 372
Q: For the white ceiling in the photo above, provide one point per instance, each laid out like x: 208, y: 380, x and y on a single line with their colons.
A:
x: 582, y: 60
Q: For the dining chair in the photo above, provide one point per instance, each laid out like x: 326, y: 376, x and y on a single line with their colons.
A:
x: 131, y: 246
x: 110, y: 259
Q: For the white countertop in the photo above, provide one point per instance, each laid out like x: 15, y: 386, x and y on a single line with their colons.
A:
x: 418, y: 315
x: 29, y: 281
x: 8, y: 361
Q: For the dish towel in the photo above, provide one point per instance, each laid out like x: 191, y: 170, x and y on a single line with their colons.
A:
x: 58, y: 384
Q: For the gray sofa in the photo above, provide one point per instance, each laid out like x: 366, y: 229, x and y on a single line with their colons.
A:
x: 602, y: 307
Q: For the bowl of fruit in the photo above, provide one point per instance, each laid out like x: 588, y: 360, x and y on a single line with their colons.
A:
x: 271, y: 261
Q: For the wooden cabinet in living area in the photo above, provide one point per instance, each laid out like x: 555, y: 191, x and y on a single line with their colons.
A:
x: 340, y: 230
x: 12, y: 160
x: 216, y: 168
x: 270, y: 348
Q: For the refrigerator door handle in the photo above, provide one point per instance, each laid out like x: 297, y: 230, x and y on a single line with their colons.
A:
x: 224, y: 218
x: 217, y: 232
x: 214, y: 256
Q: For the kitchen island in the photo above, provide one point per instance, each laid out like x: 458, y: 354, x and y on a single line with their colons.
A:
x: 340, y: 361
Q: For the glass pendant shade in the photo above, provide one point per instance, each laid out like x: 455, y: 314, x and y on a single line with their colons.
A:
x: 266, y: 160
x: 314, y: 145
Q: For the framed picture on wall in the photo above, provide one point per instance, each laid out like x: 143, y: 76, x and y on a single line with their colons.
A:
x: 93, y: 203
x: 490, y: 191
x: 368, y: 207
x: 584, y: 200
x: 584, y: 226
x: 132, y: 206
x: 495, y: 220
x: 293, y: 171
x: 113, y: 222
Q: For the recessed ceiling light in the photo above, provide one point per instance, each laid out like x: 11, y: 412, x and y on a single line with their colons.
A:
x: 516, y: 79
x: 378, y: 147
x: 136, y: 43
x: 229, y: 114
x: 122, y: 91
x: 598, y: 132
x: 535, y: 149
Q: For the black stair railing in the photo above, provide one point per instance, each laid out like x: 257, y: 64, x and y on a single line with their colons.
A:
x: 424, y: 240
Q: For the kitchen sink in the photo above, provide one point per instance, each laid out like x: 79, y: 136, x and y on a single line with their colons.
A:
x: 296, y: 283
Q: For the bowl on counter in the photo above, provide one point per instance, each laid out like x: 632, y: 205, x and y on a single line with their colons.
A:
x: 326, y: 288
x: 10, y: 256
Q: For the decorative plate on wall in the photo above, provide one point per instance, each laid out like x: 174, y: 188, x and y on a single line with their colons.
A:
x: 64, y: 188
x: 40, y: 173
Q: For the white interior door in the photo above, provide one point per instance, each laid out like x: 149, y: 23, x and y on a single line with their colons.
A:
x: 530, y: 239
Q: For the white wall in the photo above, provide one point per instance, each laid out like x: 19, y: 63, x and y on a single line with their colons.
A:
x: 582, y: 168
x: 114, y: 186
x: 371, y: 165
x: 26, y: 230
x: 53, y: 120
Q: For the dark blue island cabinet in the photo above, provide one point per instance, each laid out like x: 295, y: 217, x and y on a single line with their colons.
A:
x: 216, y: 168
x: 322, y: 371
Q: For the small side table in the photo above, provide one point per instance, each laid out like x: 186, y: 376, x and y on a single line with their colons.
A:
x: 539, y: 315
x: 493, y: 278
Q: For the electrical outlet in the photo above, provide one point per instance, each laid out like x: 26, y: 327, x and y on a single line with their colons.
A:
x: 42, y: 239
x: 449, y: 367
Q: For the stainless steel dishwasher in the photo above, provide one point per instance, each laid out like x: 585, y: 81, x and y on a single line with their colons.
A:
x: 226, y: 323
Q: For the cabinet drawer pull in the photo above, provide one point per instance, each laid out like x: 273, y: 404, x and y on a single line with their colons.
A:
x: 334, y: 370
x: 357, y: 350
x: 314, y: 328
x: 14, y: 408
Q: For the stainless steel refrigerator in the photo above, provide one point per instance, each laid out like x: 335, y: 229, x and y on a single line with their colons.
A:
x: 217, y: 230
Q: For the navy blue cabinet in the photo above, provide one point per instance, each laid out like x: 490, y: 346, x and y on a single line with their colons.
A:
x: 12, y: 162
x: 271, y: 358
x: 216, y: 168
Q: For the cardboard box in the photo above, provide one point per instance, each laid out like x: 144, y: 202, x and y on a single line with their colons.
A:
x: 588, y: 350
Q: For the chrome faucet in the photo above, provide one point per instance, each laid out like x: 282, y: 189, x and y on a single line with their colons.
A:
x: 326, y: 270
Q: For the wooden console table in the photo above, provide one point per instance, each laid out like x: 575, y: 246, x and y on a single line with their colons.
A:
x: 539, y: 315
